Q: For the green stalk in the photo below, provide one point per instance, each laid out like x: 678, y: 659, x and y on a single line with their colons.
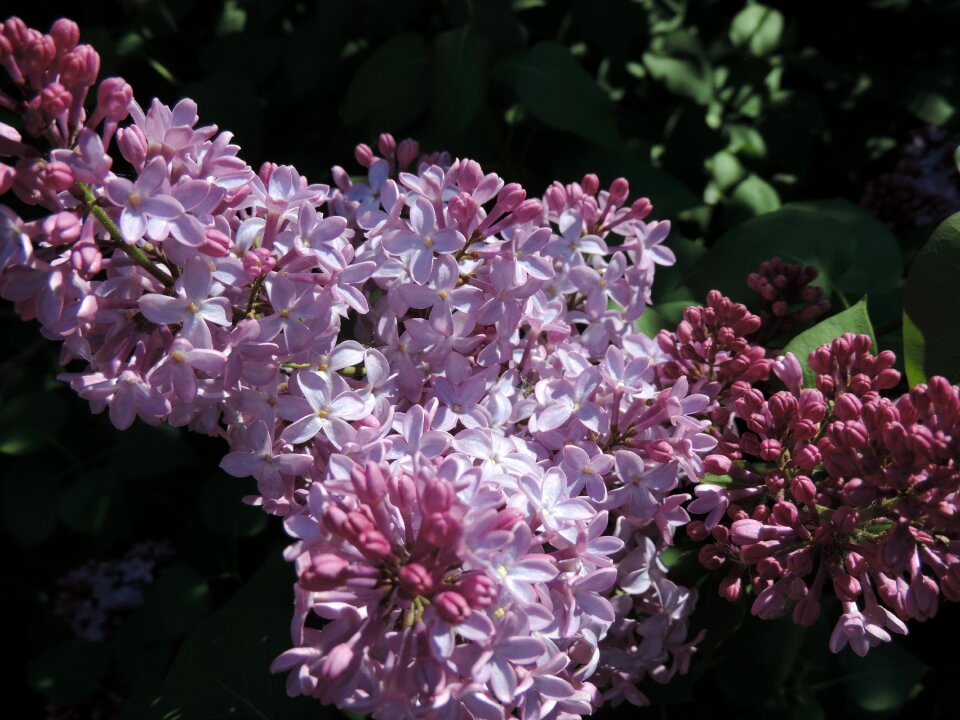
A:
x: 135, y: 253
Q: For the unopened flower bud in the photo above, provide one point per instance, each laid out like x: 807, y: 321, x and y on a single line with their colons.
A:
x: 452, y: 607
x: 61, y: 228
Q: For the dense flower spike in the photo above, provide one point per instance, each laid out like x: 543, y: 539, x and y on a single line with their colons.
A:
x: 479, y: 479
x: 787, y: 296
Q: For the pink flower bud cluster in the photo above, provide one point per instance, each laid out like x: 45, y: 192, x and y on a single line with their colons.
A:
x: 787, y: 297
x: 836, y: 483
x: 479, y: 477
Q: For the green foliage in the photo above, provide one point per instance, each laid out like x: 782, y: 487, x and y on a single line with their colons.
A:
x: 931, y: 305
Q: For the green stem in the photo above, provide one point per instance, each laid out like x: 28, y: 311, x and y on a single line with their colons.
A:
x: 254, y: 292
x: 135, y: 253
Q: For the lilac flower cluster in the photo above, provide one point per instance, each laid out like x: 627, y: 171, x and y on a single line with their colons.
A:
x: 787, y: 297
x: 478, y: 481
x: 96, y: 596
x: 437, y: 384
x: 836, y: 483
x: 923, y: 187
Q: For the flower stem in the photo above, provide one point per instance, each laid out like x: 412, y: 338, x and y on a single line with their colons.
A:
x: 135, y: 253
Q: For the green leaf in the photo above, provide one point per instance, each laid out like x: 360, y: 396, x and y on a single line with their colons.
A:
x: 28, y: 421
x: 754, y: 196
x: 459, y: 78
x: 854, y: 320
x: 931, y: 306
x: 854, y: 252
x: 685, y: 76
x: 69, y: 673
x: 222, y: 669
x: 758, y: 28
x: 712, y: 479
x: 222, y: 511
x: 556, y: 90
x: 883, y: 680
x: 387, y: 89
x: 173, y: 605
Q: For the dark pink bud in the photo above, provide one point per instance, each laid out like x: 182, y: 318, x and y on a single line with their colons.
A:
x: 769, y: 569
x: 527, y: 210
x: 415, y: 580
x: 660, y: 451
x: 751, y: 554
x: 133, y: 145
x: 363, y: 154
x: 619, y: 189
x: 387, y: 144
x: 258, y: 262
x: 65, y: 34
x: 770, y: 450
x: 38, y: 52
x: 590, y: 184
x: 856, y: 564
x: 886, y: 379
x: 846, y: 587
x: 721, y: 533
x: 848, y: 407
x: 85, y: 258
x: 57, y: 176
x: 55, y: 99
x: 785, y: 513
x: 510, y: 197
x: 807, y: 458
x: 711, y: 556
x: 324, y: 572
x: 469, y: 175
x: 216, y: 244
x: 478, y: 589
x: 407, y: 152
x: 439, y: 529
x: 507, y: 519
x: 374, y: 544
x: 717, y: 464
x: 806, y: 612
x: 452, y: 607
x: 437, y: 497
x: 640, y: 208
x: 845, y: 519
x: 800, y: 562
x: 79, y: 67
x: 803, y: 490
x: 697, y: 530
x: 61, y: 228
x: 731, y: 586
x: 113, y: 99
x: 922, y: 597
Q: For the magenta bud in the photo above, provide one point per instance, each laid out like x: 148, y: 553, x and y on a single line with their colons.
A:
x: 79, y: 67
x: 848, y: 407
x: 697, y: 530
x: 717, y: 464
x: 769, y: 569
x: 807, y: 458
x: 751, y: 554
x: 846, y: 587
x: 510, y: 197
x: 374, y: 544
x: 800, y: 562
x: 507, y: 519
x: 711, y: 556
x: 469, y: 175
x: 856, y: 564
x: 886, y: 379
x: 619, y: 189
x: 415, y: 580
x: 770, y: 450
x: 65, y: 34
x: 528, y: 210
x: 845, y: 519
x: 57, y: 176
x: 660, y: 451
x: 731, y: 586
x: 451, y: 607
x: 363, y: 154
x: 640, y: 208
x: 113, y: 98
x: 407, y: 152
x: 324, y: 572
x: 721, y: 533
x: 216, y: 244
x: 785, y: 513
x: 806, y: 612
x: 438, y: 497
x: 61, y: 228
x: 478, y: 589
x: 386, y: 144
x: 439, y: 529
x: 85, y: 258
x: 803, y: 490
x: 258, y: 262
x: 590, y: 184
x: 133, y: 145
x: 55, y: 99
